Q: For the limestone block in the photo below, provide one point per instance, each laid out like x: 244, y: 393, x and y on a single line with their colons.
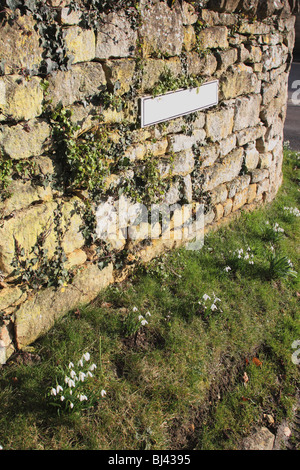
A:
x: 255, y: 54
x: 179, y: 142
x: 251, y: 156
x: 153, y: 68
x: 274, y: 56
x: 20, y: 142
x: 259, y: 175
x: 240, y: 199
x: 252, y: 192
x: 227, y: 207
x: 162, y: 29
x: 254, y: 29
x: 219, y: 211
x: 72, y: 223
x: 80, y: 43
x: 263, y: 186
x: 214, y: 37
x: 121, y: 71
x: 189, y: 14
x: 189, y: 38
x: 227, y: 145
x: 226, y: 58
x: 183, y: 163
x: 238, y: 80
x: 8, y: 296
x: 252, y: 133
x: 219, y: 194
x: 247, y: 110
x: 219, y: 124
x: 22, y: 194
x: 209, y: 154
x: 223, y: 172
x: 238, y: 185
x: 69, y: 17
x: 115, y: 38
x: 265, y: 160
x: 20, y: 99
x: 198, y: 65
x: 26, y: 227
x: 82, y: 81
x: 20, y: 45
x: 37, y: 315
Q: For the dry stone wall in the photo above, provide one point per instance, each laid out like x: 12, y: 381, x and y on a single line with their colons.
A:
x: 71, y: 143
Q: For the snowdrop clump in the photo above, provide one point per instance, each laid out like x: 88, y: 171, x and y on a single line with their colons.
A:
x: 70, y: 395
x: 293, y: 211
x: 135, y: 321
x: 244, y: 254
x: 209, y: 303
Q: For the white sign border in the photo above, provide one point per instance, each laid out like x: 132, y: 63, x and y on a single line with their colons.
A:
x: 147, y: 98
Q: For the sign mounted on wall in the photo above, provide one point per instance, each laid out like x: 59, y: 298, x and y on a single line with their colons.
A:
x: 178, y: 103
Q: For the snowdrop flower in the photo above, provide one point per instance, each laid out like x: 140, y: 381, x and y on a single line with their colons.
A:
x: 213, y: 307
x: 148, y: 314
x: 67, y: 379
x: 140, y: 317
x: 228, y: 268
x: 73, y: 374
x: 206, y: 297
x: 92, y: 367
x: 1, y: 448
x: 86, y: 356
x: 58, y: 388
x: 71, y: 405
x: 81, y: 376
x: 144, y: 322
x: 103, y: 393
x: 80, y: 363
x: 71, y: 383
x: 82, y: 397
x: 134, y: 309
x: 62, y: 398
x: 217, y: 299
x: 89, y: 374
x: 53, y: 391
x: 71, y: 365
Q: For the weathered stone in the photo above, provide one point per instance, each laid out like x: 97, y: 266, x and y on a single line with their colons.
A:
x: 69, y: 17
x: 153, y: 69
x: 258, y: 175
x: 238, y: 185
x: 227, y: 145
x: 256, y: 28
x: 213, y: 37
x: 71, y: 222
x: 22, y: 194
x: 247, y: 135
x: 179, y: 142
x: 76, y: 258
x: 251, y: 156
x: 115, y: 38
x: 8, y: 296
x: 219, y: 124
x: 20, y: 45
x: 223, y: 172
x: 219, y: 194
x: 226, y: 58
x: 119, y: 71
x: 79, y: 83
x: 227, y: 207
x: 247, y: 110
x: 183, y: 163
x: 274, y: 56
x: 20, y: 99
x: 198, y: 65
x: 252, y: 192
x: 189, y: 14
x: 162, y: 29
x: 26, y: 227
x: 219, y: 211
x: 20, y: 142
x: 239, y: 80
x: 255, y: 54
x: 209, y: 154
x: 224, y: 5
x: 240, y: 199
x: 265, y: 160
x: 37, y: 315
x: 80, y: 43
x: 189, y: 38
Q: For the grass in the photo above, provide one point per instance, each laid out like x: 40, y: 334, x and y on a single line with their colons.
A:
x: 190, y: 378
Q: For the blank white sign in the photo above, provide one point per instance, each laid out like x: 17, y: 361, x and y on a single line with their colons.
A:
x: 178, y: 103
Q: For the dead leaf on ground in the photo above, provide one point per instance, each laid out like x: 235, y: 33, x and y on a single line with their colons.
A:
x: 257, y: 362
